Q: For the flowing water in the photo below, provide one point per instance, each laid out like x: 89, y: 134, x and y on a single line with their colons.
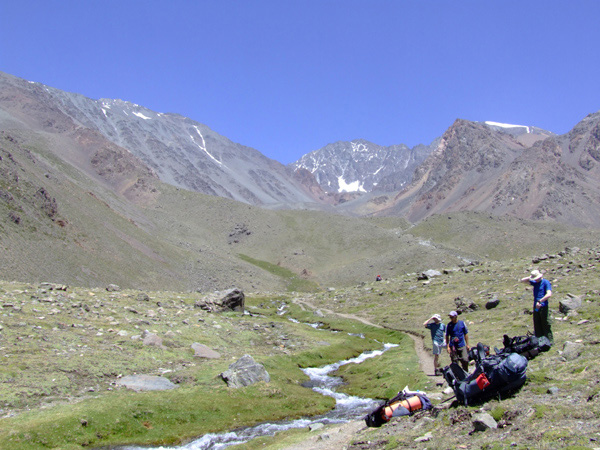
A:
x: 347, y: 408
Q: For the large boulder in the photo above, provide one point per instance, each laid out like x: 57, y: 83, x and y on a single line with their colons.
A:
x: 232, y: 300
x: 245, y: 372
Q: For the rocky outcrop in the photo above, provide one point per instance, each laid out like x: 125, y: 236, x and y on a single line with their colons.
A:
x: 232, y: 300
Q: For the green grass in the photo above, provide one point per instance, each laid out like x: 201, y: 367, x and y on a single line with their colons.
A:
x: 60, y: 354
x: 384, y: 376
x: 294, y: 282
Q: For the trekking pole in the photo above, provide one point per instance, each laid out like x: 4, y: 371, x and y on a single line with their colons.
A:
x: 450, y: 398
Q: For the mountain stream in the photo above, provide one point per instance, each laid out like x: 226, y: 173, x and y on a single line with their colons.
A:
x: 347, y: 408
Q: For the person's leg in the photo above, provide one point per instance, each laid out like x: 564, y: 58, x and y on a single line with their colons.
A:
x: 464, y: 358
x: 437, y: 349
x: 537, y: 323
x: 545, y: 325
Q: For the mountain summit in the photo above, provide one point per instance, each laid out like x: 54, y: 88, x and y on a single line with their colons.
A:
x: 361, y: 166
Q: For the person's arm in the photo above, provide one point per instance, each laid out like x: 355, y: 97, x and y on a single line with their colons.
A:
x: 544, y: 298
x: 524, y: 280
x: 467, y: 340
x: 427, y: 321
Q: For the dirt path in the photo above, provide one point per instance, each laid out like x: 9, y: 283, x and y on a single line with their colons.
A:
x: 425, y: 357
x: 339, y: 437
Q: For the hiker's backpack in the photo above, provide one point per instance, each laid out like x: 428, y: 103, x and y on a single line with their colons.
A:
x: 494, y: 375
x: 403, y: 404
x: 529, y: 346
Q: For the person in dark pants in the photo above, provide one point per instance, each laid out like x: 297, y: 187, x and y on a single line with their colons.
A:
x: 457, y: 339
x: 542, y: 291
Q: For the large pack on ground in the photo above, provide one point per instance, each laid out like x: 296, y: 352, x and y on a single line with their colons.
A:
x: 528, y: 346
x: 493, y: 375
x: 405, y: 403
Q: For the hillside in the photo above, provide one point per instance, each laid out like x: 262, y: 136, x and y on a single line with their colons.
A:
x: 59, y: 349
x: 63, y: 226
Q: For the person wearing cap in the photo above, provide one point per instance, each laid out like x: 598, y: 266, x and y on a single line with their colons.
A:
x: 437, y: 328
x: 542, y: 291
x: 457, y: 338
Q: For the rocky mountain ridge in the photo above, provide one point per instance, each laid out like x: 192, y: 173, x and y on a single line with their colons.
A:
x: 176, y: 149
x: 475, y: 168
x: 481, y: 166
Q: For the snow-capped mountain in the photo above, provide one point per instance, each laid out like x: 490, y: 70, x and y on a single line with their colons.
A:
x: 362, y: 166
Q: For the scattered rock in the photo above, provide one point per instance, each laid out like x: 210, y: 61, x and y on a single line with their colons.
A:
x: 202, y: 351
x: 152, y: 339
x: 552, y: 391
x: 492, y: 303
x: 245, y: 372
x: 483, y: 422
x: 142, y: 297
x: 428, y: 274
x: 464, y: 305
x: 113, y: 288
x: 146, y: 383
x: 426, y: 437
x: 315, y: 426
x: 572, y: 350
x: 572, y: 303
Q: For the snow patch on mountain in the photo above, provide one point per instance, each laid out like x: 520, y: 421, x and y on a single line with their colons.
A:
x: 140, y: 115
x: 203, y: 146
x: 507, y: 125
x: 355, y: 186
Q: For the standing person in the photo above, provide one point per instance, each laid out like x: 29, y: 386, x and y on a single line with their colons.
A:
x: 457, y: 338
x: 438, y: 329
x: 542, y: 291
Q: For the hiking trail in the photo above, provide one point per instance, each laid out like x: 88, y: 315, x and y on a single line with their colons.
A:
x: 340, y: 436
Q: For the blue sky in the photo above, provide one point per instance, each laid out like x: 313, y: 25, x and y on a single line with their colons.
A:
x: 289, y: 76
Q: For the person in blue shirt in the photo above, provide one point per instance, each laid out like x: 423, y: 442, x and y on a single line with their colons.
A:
x: 457, y: 338
x: 438, y: 331
x: 542, y: 291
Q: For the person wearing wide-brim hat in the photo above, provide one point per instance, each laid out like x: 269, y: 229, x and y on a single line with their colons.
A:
x: 542, y: 291
x: 438, y: 331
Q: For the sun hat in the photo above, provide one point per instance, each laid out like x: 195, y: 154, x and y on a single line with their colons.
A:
x: 535, y: 275
x: 453, y: 314
x: 436, y: 317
